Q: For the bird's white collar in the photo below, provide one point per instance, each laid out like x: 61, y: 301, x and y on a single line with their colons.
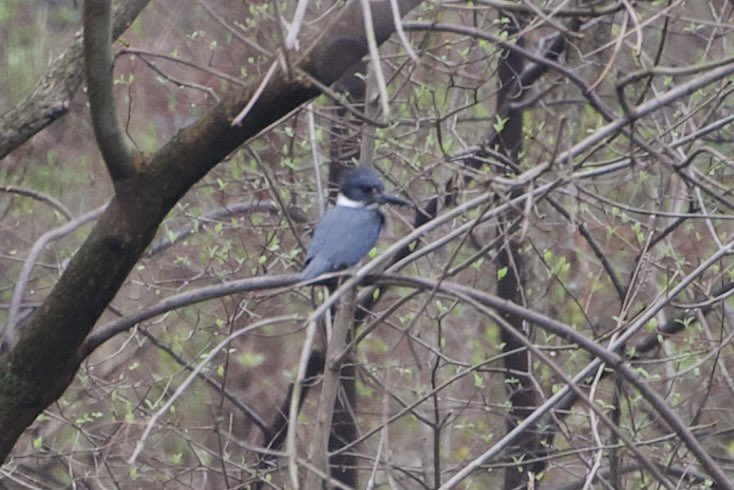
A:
x: 342, y: 200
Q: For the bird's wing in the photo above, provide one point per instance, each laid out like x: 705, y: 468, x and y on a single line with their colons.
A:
x: 342, y: 237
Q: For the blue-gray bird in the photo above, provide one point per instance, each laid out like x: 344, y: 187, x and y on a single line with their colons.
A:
x: 347, y: 231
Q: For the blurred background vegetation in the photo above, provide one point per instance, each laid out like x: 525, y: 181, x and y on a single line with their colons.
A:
x: 652, y: 223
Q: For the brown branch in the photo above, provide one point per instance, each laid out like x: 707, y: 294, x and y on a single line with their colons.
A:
x: 109, y: 330
x: 51, y: 98
x: 246, y: 410
x: 116, y: 151
x: 46, y: 357
x: 605, y: 356
x: 556, y: 12
x: 330, y: 389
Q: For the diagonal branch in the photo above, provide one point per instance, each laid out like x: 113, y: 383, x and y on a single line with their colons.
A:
x: 602, y: 355
x: 7, y: 331
x: 44, y: 361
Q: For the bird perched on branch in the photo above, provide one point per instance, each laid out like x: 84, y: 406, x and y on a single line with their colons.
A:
x: 347, y: 231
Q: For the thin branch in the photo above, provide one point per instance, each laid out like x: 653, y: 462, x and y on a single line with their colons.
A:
x: 601, y: 355
x: 8, y: 330
x: 291, y: 40
x: 195, y: 372
x: 143, y: 53
x: 684, y: 474
x: 375, y: 55
x: 557, y: 12
x: 233, y: 209
x: 246, y: 410
x: 673, y: 420
x: 595, y: 410
x: 598, y: 252
x: 116, y: 151
x: 256, y: 95
x: 400, y: 32
x: 109, y: 330
x: 316, y: 158
x: 180, y: 83
x: 291, y: 447
x: 38, y: 196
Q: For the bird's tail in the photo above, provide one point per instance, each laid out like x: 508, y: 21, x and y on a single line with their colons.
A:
x: 315, y: 267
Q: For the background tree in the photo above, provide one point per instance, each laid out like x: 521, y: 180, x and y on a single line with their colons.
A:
x: 573, y: 157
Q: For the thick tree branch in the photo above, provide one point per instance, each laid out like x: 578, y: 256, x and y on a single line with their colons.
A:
x: 44, y: 360
x: 51, y: 97
x: 116, y: 151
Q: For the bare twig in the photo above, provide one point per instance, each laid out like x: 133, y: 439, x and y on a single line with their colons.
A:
x: 233, y: 209
x: 602, y: 356
x: 8, y: 331
x: 400, y: 32
x: 369, y: 28
x: 256, y: 95
x: 38, y: 196
x: 248, y: 411
x: 107, y: 331
x: 195, y: 372
x: 316, y: 157
x: 291, y: 40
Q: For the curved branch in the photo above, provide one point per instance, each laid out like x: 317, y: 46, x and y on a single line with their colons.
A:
x: 603, y: 356
x: 7, y: 333
x: 106, y: 332
x: 246, y: 410
x: 195, y: 372
x: 38, y: 196
x: 40, y: 366
x: 116, y: 151
x: 51, y: 97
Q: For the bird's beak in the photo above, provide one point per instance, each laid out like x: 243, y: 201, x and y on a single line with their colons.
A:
x: 390, y: 199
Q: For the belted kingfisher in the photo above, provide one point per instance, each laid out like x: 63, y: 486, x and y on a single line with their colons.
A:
x: 347, y: 231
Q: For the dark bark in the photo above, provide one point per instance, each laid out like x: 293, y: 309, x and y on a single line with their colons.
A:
x: 43, y: 362
x: 522, y: 396
x: 343, y: 465
x: 278, y: 429
x: 116, y: 150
